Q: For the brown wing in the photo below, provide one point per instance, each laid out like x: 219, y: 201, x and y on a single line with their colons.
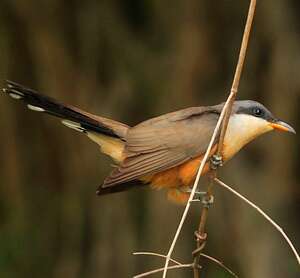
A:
x: 165, y: 142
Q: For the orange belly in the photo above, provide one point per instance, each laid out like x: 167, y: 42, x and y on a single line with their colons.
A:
x: 178, y: 178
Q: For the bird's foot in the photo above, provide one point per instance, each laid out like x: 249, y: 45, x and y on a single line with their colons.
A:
x: 216, y: 161
x: 202, y: 196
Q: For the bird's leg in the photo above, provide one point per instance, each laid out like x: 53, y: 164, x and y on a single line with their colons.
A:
x: 216, y: 161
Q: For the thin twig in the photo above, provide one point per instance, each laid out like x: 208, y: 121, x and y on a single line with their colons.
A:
x: 162, y: 269
x: 157, y: 255
x: 238, y: 72
x: 267, y: 217
x: 221, y: 264
x: 201, y: 235
x: 231, y: 99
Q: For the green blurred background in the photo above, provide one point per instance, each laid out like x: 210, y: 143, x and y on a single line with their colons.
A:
x: 131, y: 60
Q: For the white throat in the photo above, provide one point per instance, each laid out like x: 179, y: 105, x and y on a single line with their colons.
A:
x: 241, y: 130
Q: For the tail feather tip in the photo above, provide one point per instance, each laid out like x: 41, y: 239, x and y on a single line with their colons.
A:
x: 12, y: 95
x: 73, y: 125
x: 35, y: 108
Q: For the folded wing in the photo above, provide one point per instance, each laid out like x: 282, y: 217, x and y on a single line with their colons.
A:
x: 165, y: 142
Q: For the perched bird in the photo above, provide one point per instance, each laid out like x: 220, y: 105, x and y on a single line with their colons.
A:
x: 165, y: 151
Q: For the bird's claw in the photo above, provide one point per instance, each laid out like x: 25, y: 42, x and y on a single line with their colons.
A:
x: 216, y: 161
x: 204, y: 198
x: 207, y: 200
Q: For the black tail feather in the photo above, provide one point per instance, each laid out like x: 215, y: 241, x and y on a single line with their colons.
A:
x: 41, y: 103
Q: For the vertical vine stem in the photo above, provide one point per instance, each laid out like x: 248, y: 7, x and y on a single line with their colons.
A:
x: 238, y: 73
x: 223, y: 120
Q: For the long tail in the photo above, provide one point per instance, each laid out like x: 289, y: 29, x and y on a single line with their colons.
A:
x: 83, y: 121
x: 110, y: 135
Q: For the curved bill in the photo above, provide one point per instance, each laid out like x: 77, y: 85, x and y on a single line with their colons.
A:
x: 282, y: 126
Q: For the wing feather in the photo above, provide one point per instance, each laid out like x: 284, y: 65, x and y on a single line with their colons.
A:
x: 151, y: 166
x: 165, y: 142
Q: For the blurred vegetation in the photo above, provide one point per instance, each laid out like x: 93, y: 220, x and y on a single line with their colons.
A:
x: 131, y: 60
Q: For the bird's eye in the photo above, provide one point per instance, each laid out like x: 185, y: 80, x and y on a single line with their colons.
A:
x: 258, y: 112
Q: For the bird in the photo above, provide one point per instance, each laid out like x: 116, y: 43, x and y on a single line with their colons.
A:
x: 165, y: 151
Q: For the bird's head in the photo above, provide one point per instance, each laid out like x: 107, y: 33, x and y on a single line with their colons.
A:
x: 249, y: 119
x: 256, y: 116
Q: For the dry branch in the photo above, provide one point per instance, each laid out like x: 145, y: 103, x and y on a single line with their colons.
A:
x: 238, y: 72
x: 201, y: 235
x: 162, y: 269
x: 178, y: 263
x: 156, y: 255
x: 267, y: 217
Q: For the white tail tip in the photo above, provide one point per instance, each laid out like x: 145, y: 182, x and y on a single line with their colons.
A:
x: 35, y: 108
x: 15, y: 96
x: 73, y: 125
